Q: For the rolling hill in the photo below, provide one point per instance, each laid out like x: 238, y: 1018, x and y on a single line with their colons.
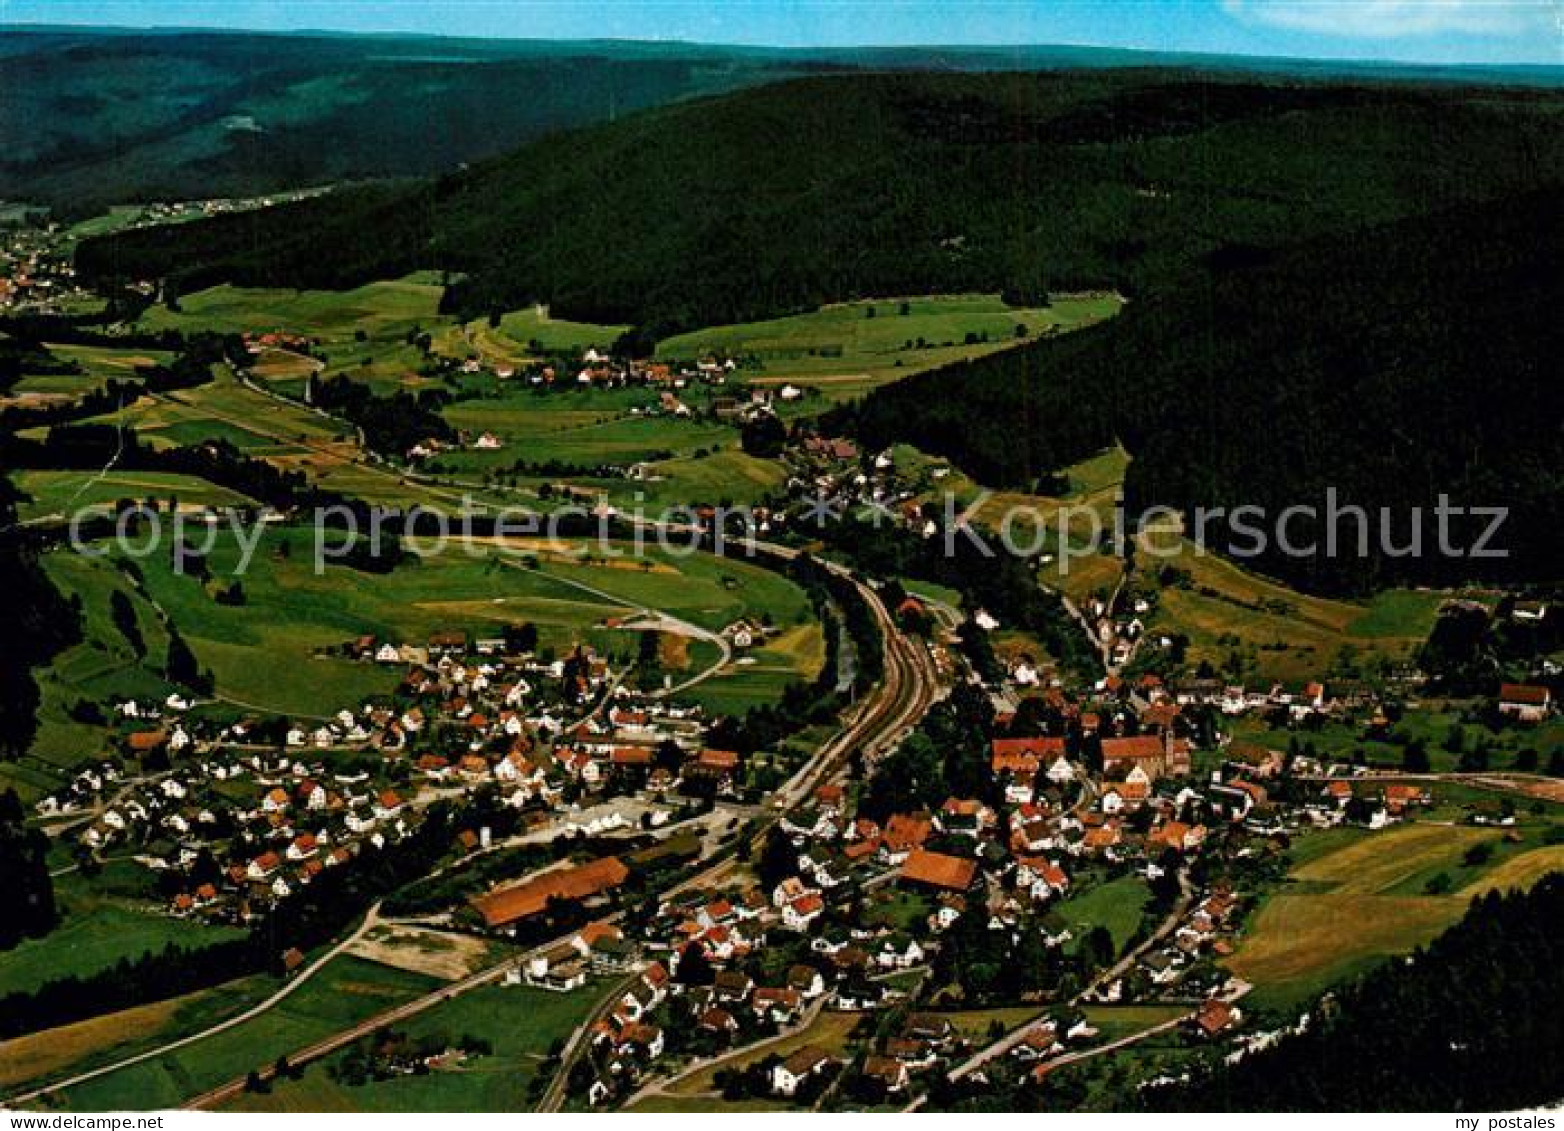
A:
x: 774, y: 199
x: 1344, y: 285
x: 100, y: 116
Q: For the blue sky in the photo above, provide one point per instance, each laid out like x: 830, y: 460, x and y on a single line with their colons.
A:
x: 1442, y: 31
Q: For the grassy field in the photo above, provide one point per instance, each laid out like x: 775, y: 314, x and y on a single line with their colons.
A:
x: 523, y: 336
x: 265, y: 655
x: 96, y: 933
x: 347, y: 991
x: 829, y: 1031
x: 761, y: 675
x: 521, y: 1023
x: 291, y: 611
x: 99, y: 670
x: 844, y: 350
x: 1357, y: 898
x: 69, y: 1049
x: 70, y: 492
x: 1093, y: 487
x: 586, y: 428
x: 362, y: 332
x: 1115, y: 1021
x: 1117, y: 905
x: 1431, y: 725
x: 1280, y: 632
x: 974, y: 1024
x: 1225, y: 610
x: 98, y: 365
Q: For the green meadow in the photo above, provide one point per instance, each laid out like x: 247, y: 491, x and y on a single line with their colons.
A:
x: 1359, y: 898
x: 99, y: 670
x: 114, y: 916
x: 363, y: 332
x: 97, y: 364
x: 524, y: 336
x: 1116, y: 905
x: 67, y: 492
x: 346, y: 992
x: 845, y: 349
x: 522, y: 1024
x: 292, y: 614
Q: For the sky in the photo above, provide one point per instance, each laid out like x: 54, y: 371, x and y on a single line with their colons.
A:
x: 1432, y: 31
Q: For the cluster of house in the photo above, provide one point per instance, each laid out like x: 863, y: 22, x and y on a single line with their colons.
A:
x: 962, y: 858
x: 36, y: 273
x: 599, y: 368
x: 250, y: 813
x: 1299, y: 699
x: 263, y: 341
x: 277, y: 818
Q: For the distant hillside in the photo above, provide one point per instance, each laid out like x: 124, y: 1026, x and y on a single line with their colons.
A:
x: 95, y: 118
x: 834, y: 187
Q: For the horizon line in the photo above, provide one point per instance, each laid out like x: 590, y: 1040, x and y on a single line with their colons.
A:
x: 1347, y: 60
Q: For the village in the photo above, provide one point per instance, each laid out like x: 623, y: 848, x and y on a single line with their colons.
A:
x: 600, y: 823
x: 823, y: 908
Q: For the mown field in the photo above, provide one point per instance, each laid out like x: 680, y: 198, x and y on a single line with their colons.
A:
x: 70, y: 1049
x: 524, y: 336
x: 344, y: 993
x: 1229, y: 613
x: 1364, y: 897
x: 111, y: 917
x: 287, y: 435
x: 845, y: 349
x: 68, y: 493
x: 523, y: 1024
x: 761, y: 675
x: 98, y: 365
x: 363, y: 332
x: 264, y: 654
x: 1032, y: 522
x: 718, y: 476
x: 585, y: 427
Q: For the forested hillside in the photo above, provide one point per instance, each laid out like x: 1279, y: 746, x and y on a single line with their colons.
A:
x: 1413, y: 360
x: 42, y: 623
x: 1470, y: 1024
x: 1348, y: 286
x: 832, y: 187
